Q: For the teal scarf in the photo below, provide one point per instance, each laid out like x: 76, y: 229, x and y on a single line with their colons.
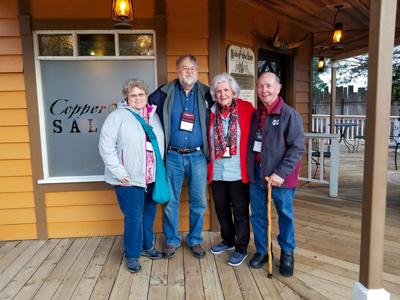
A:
x: 161, y: 193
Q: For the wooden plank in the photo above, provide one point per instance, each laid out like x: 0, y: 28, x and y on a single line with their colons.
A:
x: 159, y: 276
x: 246, y: 282
x: 9, y: 27
x: 193, y: 280
x: 229, y: 283
x: 16, y: 200
x: 93, y: 228
x: 83, y: 213
x: 11, y: 63
x: 179, y: 46
x: 8, y: 246
x: 17, y: 216
x: 13, y: 117
x: 16, y: 184
x: 8, y: 273
x: 71, y: 280
x: 15, y: 151
x: 42, y: 273
x: 177, y: 27
x: 11, y: 81
x: 10, y: 46
x: 140, y: 284
x: 176, y: 276
x: 80, y: 198
x: 109, y: 272
x: 92, y: 272
x: 122, y: 284
x: 18, y: 232
x: 56, y: 277
x: 13, y: 254
x: 211, y: 284
x: 14, y: 286
x: 9, y: 9
x: 14, y: 134
x: 14, y: 99
x: 285, y: 291
x: 21, y: 167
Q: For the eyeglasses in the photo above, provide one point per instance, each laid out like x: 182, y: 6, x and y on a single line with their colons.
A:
x: 189, y: 69
x: 135, y: 96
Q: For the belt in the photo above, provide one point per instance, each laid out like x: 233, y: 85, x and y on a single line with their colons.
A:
x: 184, y: 151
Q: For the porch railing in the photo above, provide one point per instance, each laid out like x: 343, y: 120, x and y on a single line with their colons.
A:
x: 321, y: 123
x: 318, y: 145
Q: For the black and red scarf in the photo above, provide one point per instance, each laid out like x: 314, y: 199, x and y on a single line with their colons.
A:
x: 219, y: 137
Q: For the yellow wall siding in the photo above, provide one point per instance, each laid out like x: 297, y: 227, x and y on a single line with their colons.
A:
x: 17, y: 212
x: 88, y: 9
x: 86, y: 213
x: 13, y: 99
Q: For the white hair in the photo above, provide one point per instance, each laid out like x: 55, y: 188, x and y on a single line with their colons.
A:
x: 225, y: 77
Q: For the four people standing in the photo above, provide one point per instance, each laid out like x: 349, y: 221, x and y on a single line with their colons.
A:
x: 241, y: 145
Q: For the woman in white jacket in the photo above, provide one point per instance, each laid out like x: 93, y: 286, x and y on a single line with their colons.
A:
x: 130, y: 166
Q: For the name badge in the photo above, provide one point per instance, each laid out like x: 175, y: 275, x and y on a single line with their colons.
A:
x: 187, y: 122
x: 257, y: 142
x: 227, y: 152
x: 149, y: 146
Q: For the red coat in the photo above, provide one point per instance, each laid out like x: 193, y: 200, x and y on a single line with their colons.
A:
x: 245, y: 110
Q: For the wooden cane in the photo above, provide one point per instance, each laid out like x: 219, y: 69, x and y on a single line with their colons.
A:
x: 269, y: 228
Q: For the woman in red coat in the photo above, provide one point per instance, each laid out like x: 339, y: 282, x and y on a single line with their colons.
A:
x: 228, y: 136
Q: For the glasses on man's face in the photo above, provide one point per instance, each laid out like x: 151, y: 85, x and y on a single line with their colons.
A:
x: 189, y: 69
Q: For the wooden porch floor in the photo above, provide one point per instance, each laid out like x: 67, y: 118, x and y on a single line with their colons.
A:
x: 328, y: 237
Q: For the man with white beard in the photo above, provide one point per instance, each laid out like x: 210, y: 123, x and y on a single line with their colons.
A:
x: 183, y: 107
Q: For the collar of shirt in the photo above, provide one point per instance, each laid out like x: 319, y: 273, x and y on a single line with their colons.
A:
x: 273, y: 108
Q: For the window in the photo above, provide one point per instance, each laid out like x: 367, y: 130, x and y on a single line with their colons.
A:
x: 79, y: 81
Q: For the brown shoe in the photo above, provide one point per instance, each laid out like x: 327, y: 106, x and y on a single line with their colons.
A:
x: 198, y: 251
x: 168, y: 251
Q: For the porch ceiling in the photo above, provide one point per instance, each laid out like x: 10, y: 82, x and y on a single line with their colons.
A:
x: 317, y: 16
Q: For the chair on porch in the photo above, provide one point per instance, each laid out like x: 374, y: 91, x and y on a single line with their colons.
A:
x: 320, y: 151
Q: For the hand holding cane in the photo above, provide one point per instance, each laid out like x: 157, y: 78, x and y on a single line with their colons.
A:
x: 269, y: 227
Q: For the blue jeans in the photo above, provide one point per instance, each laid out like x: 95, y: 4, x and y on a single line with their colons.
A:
x: 194, y: 167
x: 139, y: 212
x: 283, y: 199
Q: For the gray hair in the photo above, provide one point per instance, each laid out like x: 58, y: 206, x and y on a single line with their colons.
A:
x: 132, y: 83
x: 222, y: 78
x: 277, y: 79
x: 191, y: 57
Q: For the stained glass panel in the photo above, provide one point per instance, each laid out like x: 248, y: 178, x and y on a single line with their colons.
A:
x: 136, y: 44
x: 96, y: 45
x: 55, y: 45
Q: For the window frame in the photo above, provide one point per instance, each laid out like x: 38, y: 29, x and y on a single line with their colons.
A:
x: 75, y: 57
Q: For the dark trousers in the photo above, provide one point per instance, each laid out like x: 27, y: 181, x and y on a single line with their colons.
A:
x: 231, y: 199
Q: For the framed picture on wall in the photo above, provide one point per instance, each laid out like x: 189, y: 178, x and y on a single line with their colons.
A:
x: 241, y: 65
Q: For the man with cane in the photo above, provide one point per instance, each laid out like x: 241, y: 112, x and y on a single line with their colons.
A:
x: 276, y: 146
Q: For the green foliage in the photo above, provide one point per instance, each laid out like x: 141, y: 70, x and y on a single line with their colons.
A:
x: 317, y: 84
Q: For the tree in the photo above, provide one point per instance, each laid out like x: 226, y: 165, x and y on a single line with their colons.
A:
x: 357, y: 66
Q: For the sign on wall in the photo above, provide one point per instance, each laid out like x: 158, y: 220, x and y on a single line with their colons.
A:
x: 241, y: 65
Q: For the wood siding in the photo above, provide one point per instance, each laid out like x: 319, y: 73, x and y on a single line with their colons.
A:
x: 17, y: 206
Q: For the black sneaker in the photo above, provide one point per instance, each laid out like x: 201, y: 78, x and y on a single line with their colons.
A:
x: 152, y: 253
x: 133, y: 265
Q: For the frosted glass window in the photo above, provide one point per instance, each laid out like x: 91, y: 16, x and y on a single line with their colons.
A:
x: 136, y: 44
x: 55, y: 45
x: 77, y: 97
x: 96, y: 45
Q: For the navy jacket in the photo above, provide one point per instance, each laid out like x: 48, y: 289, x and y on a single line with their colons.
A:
x: 163, y: 97
x: 282, y: 144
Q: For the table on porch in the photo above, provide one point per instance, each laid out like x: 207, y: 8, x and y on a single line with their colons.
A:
x: 342, y: 128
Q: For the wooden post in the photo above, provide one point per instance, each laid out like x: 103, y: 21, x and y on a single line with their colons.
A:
x: 333, y: 97
x: 381, y: 39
